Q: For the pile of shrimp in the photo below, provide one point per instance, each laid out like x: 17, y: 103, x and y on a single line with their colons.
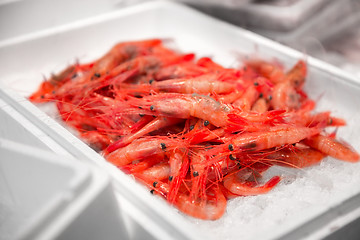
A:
x: 194, y: 132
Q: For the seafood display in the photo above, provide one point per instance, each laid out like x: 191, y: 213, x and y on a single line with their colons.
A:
x: 193, y: 131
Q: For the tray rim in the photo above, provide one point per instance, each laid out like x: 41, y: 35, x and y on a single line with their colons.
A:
x: 80, y: 149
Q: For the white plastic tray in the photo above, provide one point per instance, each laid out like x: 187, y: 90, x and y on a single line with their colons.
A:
x: 308, y: 204
x: 48, y: 196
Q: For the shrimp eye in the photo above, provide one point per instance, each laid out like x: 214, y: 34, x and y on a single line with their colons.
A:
x: 256, y: 84
x: 206, y: 123
x: 261, y: 95
x: 170, y: 178
x: 74, y: 76
x: 191, y: 127
x: 97, y: 75
x: 151, y: 81
x: 141, y: 115
x: 195, y: 174
x: 42, y: 96
x: 152, y: 107
x: 232, y: 157
x: 270, y: 97
x: 152, y: 191
x: 163, y: 146
x: 231, y: 147
x: 155, y: 183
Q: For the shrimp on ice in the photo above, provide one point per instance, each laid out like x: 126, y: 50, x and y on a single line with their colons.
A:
x: 333, y: 148
x: 256, y: 141
x: 239, y: 187
x: 296, y: 158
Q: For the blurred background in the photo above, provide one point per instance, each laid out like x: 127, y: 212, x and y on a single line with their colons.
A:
x: 326, y: 29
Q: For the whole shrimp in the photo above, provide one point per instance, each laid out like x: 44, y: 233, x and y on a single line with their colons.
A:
x: 333, y: 148
x: 141, y: 148
x: 297, y: 158
x: 285, y: 93
x: 256, y: 141
x: 207, y: 83
x: 151, y: 126
x: 123, y: 52
x: 273, y: 71
x: 183, y: 106
x: 243, y: 188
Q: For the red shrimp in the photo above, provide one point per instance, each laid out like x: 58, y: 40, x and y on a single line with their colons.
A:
x: 159, y: 171
x: 244, y: 175
x: 246, y: 101
x: 48, y: 88
x: 260, y: 106
x: 285, y: 94
x: 96, y: 140
x: 299, y: 158
x: 210, y: 64
x: 230, y: 97
x: 208, y: 83
x: 182, y: 70
x: 183, y: 106
x: 146, y: 163
x: 285, y: 97
x: 296, y: 76
x: 123, y: 52
x: 212, y: 207
x: 272, y: 71
x: 256, y: 141
x: 275, y: 136
x: 333, y: 148
x: 141, y: 148
x: 239, y: 187
x: 148, y: 63
x: 155, y: 124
